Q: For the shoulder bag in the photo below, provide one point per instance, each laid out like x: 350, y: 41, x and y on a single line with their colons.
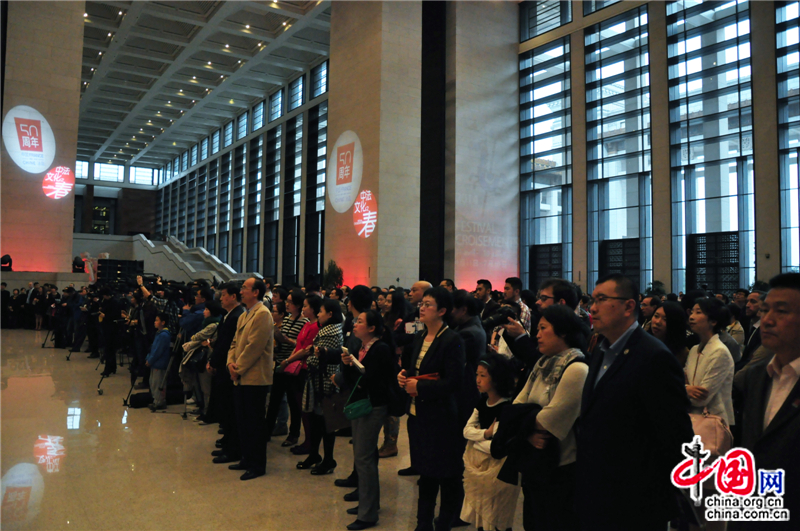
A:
x: 359, y: 408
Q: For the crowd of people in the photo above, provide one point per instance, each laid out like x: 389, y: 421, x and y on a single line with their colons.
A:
x: 581, y: 403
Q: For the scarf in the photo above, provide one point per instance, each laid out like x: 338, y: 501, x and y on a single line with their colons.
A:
x: 551, y: 368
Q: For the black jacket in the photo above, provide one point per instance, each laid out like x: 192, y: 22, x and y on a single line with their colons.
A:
x: 774, y: 447
x: 380, y: 374
x: 629, y: 438
x: 226, y: 331
x: 439, y: 445
x: 474, y: 339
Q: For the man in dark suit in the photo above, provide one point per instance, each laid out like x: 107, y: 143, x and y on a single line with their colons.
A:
x: 633, y: 419
x: 483, y: 292
x: 5, y: 306
x: 752, y: 336
x: 770, y: 422
x: 466, y: 322
x: 222, y: 392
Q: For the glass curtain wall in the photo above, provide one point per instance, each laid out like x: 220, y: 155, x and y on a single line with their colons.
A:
x: 546, y: 163
x: 618, y: 148
x: 788, y: 37
x: 254, y: 202
x: 712, y: 147
x: 272, y: 200
x: 293, y: 181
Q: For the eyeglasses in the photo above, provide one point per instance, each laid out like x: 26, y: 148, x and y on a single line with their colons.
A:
x: 428, y: 305
x: 544, y: 298
x: 600, y: 299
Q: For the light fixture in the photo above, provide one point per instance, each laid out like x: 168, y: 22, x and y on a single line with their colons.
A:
x: 169, y: 102
x: 192, y: 101
x: 227, y: 46
x: 240, y: 61
x: 247, y: 26
x: 284, y: 23
x: 99, y: 53
x: 120, y: 12
x: 194, y: 77
x: 221, y: 76
x: 259, y: 44
x: 109, y: 34
x: 209, y: 62
x: 92, y: 69
x: 85, y: 15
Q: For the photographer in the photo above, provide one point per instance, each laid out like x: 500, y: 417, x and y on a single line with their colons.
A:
x: 110, y: 314
x: 141, y: 324
x: 163, y: 300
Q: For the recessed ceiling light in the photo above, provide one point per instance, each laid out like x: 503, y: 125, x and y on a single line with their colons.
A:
x: 209, y: 62
x: 169, y: 102
x: 92, y: 69
x: 109, y: 34
x: 221, y: 76
x: 247, y: 26
x: 85, y: 15
x: 120, y: 12
x: 259, y: 44
x: 284, y: 23
x: 99, y: 53
x: 194, y: 77
x: 227, y: 46
x: 240, y: 60
x: 192, y: 101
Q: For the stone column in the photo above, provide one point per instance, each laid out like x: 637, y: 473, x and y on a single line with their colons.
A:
x: 43, y: 71
x: 375, y: 95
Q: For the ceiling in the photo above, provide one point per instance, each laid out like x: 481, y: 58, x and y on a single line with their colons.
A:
x: 157, y: 77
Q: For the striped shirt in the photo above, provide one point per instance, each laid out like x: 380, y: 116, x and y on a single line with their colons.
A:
x: 290, y: 328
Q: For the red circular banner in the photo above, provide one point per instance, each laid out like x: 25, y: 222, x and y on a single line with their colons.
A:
x: 58, y: 182
x: 365, y: 213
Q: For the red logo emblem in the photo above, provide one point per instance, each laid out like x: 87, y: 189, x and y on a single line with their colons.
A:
x: 365, y: 213
x: 58, y: 182
x: 29, y: 133
x: 344, y: 163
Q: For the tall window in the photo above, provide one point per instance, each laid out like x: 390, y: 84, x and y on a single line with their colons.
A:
x: 319, y: 80
x: 276, y: 105
x: 191, y: 201
x: 254, y: 185
x: 788, y: 33
x: 81, y: 169
x: 211, y: 216
x: 541, y: 16
x: 185, y: 160
x: 618, y: 147
x: 200, y: 232
x: 141, y: 175
x: 194, y: 155
x: 272, y: 187
x: 204, y: 149
x: 546, y: 163
x: 590, y: 6
x: 316, y: 170
x: 239, y: 179
x: 215, y: 142
x: 296, y: 93
x: 241, y: 126
x: 109, y: 172
x: 227, y: 137
x: 258, y: 115
x: 176, y: 166
x: 293, y: 172
x: 224, y: 206
x: 712, y: 147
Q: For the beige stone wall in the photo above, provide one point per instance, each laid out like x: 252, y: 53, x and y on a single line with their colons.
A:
x: 43, y: 71
x: 374, y: 92
x: 482, y: 143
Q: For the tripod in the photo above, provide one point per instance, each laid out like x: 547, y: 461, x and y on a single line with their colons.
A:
x: 176, y: 354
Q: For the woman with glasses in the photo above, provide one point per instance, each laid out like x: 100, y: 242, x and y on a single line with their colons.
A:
x: 433, y: 380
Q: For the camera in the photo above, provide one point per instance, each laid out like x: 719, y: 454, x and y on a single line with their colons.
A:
x: 500, y: 317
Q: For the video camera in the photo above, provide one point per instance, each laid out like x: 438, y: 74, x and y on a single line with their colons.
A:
x: 500, y: 317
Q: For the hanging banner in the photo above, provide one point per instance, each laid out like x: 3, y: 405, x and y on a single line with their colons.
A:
x: 29, y: 139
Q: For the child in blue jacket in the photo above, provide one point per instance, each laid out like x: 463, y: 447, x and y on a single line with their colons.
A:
x: 158, y: 360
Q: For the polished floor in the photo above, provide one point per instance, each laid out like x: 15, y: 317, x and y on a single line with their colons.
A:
x: 73, y: 459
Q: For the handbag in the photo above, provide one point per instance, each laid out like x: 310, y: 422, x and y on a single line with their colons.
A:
x: 333, y: 412
x: 713, y: 431
x: 359, y: 408
x: 294, y: 368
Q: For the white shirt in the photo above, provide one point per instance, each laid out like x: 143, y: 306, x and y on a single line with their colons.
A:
x: 783, y: 381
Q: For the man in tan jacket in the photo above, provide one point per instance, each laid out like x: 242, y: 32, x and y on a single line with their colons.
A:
x: 250, y: 366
